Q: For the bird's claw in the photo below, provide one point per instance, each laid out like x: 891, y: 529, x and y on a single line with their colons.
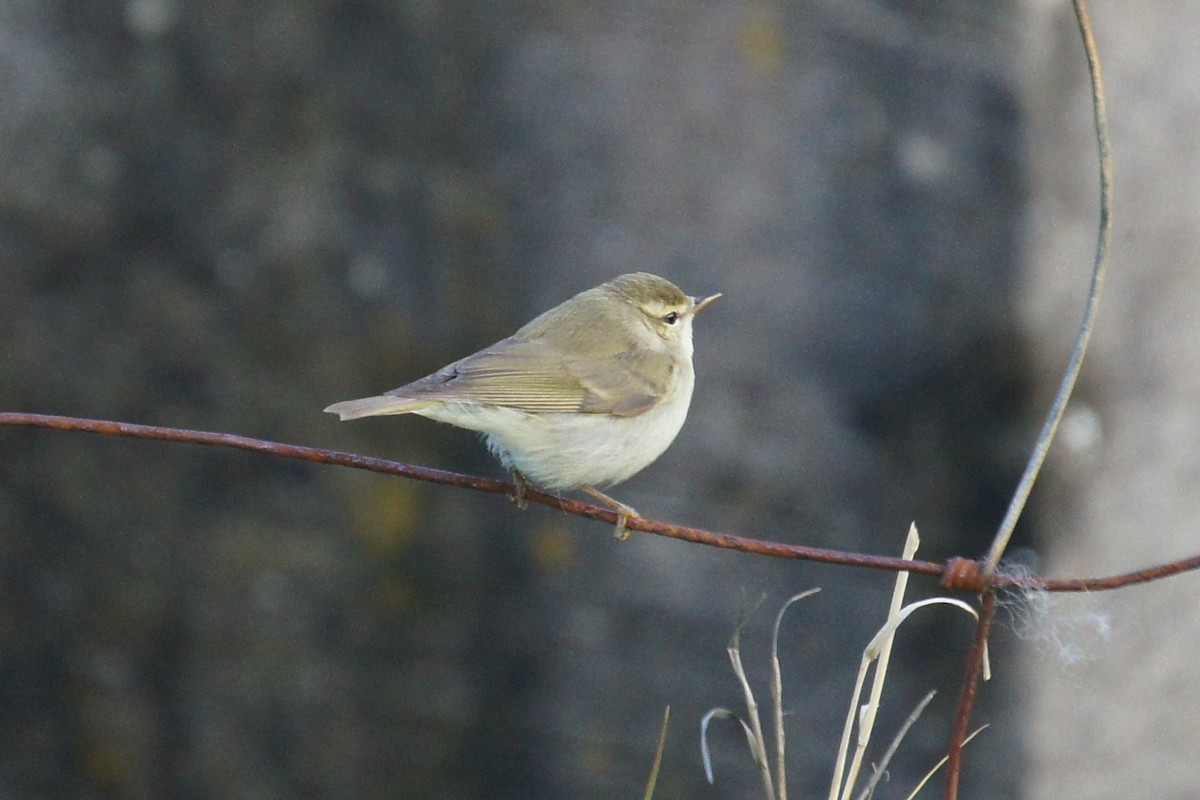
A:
x: 520, y: 485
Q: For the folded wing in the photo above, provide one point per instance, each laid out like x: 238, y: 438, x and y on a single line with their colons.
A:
x: 533, y: 376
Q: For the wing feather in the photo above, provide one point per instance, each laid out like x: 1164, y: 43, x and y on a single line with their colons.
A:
x: 532, y: 375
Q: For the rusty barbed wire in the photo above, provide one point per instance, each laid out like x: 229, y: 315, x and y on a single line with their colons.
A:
x: 960, y: 574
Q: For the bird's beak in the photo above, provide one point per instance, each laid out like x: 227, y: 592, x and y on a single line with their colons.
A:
x: 701, y: 302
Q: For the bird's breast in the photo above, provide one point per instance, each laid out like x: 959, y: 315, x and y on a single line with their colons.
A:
x: 566, y: 450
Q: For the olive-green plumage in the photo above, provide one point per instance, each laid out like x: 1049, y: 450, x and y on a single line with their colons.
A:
x: 590, y: 392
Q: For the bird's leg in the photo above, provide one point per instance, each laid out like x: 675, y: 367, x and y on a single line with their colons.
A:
x: 624, y: 512
x: 518, y: 495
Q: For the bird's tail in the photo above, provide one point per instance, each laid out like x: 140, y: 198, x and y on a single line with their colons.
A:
x: 376, y: 406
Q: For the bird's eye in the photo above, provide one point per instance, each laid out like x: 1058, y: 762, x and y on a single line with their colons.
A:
x: 671, y: 318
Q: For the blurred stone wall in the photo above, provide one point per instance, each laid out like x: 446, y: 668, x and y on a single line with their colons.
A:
x: 1113, y: 678
x: 226, y: 215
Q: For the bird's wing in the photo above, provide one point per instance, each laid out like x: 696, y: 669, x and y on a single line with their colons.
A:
x: 531, y: 375
x: 625, y: 384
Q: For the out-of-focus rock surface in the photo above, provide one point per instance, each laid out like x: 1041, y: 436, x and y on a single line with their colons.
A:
x: 226, y: 215
x: 1112, y: 682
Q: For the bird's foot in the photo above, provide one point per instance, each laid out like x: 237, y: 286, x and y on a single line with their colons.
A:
x: 624, y: 512
x: 520, y: 485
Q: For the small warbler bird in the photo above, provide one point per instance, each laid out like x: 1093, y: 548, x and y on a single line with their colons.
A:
x: 586, y: 395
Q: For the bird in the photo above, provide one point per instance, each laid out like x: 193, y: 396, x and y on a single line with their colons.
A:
x: 585, y: 395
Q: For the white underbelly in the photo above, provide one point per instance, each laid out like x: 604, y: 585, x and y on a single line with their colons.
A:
x: 567, y: 450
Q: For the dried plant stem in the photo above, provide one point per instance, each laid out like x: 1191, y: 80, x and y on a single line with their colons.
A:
x: 652, y: 781
x: 758, y: 744
x: 881, y: 769
x: 777, y: 693
x: 941, y: 763
x: 878, y: 651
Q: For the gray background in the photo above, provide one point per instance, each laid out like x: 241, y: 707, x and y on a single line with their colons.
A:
x: 1112, y: 679
x: 226, y: 215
